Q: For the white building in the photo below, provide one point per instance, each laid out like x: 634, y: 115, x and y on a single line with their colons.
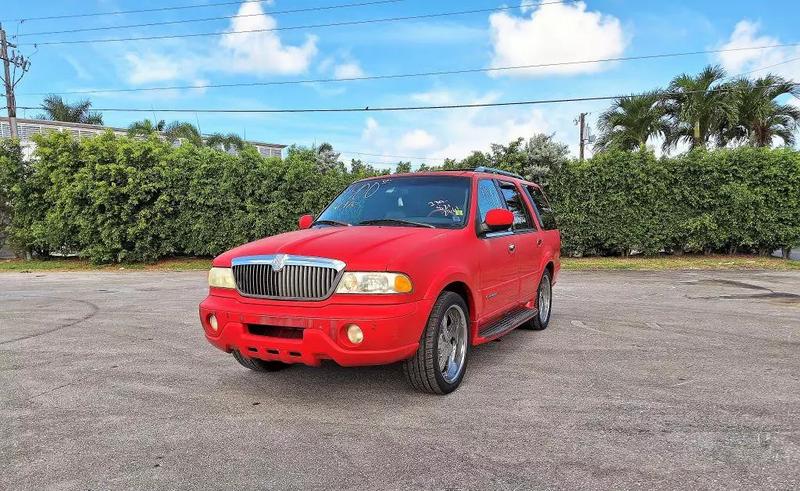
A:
x: 29, y: 127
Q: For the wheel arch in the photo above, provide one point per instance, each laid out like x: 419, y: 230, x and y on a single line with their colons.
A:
x: 464, y: 291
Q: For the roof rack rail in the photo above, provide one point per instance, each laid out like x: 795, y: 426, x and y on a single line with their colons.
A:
x: 492, y: 170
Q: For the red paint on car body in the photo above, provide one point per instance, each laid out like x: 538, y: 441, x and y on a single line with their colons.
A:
x: 497, y: 272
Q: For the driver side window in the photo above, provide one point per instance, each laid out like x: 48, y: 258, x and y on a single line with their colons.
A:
x: 488, y: 198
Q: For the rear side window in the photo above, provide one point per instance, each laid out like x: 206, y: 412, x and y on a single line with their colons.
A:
x: 488, y: 198
x: 542, y: 208
x: 522, y: 219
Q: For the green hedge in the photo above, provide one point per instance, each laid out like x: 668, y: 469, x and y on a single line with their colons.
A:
x: 112, y: 198
x: 10, y: 158
x: 732, y: 200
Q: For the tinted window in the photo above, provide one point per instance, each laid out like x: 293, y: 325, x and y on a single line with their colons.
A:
x: 522, y: 219
x: 438, y: 201
x: 488, y: 198
x: 542, y: 208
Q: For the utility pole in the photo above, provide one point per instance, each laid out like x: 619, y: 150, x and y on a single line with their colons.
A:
x: 582, y: 129
x: 10, y: 79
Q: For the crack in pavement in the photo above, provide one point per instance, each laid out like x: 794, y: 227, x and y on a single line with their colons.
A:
x: 94, y: 309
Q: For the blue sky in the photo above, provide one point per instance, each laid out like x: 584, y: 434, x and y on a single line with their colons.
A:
x: 518, y: 36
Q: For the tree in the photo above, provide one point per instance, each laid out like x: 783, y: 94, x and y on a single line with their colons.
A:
x: 475, y: 159
x: 633, y: 120
x: 700, y: 108
x: 56, y: 109
x: 11, y: 172
x: 228, y: 143
x: 326, y: 157
x: 535, y: 158
x: 511, y: 157
x: 543, y: 158
x: 145, y: 128
x: 402, y: 167
x: 760, y: 118
x: 179, y: 130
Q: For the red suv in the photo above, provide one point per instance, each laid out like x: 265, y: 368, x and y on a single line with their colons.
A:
x: 415, y: 268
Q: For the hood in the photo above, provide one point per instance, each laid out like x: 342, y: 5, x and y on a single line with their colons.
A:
x: 365, y: 248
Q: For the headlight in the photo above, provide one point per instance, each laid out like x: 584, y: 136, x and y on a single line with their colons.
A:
x: 221, y: 278
x: 374, y: 283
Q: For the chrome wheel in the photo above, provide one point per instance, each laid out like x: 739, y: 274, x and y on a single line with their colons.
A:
x: 452, y: 343
x: 545, y: 297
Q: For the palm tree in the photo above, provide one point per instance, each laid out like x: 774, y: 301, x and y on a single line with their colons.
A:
x: 760, y: 117
x: 145, y: 127
x: 56, y: 109
x: 228, y: 142
x: 700, y: 107
x: 179, y: 130
x: 633, y: 120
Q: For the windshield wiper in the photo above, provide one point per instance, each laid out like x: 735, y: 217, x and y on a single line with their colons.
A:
x: 379, y: 221
x: 332, y: 222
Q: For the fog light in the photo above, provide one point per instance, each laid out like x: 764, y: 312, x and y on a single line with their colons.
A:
x: 212, y: 321
x: 354, y: 334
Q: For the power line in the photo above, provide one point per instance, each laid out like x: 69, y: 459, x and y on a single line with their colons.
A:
x: 207, y: 19
x: 404, y: 108
x: 414, y: 75
x: 408, y: 157
x: 288, y: 28
x: 742, y: 74
x: 121, y: 12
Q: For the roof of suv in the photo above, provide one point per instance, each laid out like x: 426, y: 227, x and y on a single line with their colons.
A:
x: 489, y: 173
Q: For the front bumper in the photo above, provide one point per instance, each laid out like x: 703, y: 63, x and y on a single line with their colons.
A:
x: 391, y: 332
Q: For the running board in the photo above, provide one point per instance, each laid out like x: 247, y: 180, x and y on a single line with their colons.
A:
x: 508, y: 322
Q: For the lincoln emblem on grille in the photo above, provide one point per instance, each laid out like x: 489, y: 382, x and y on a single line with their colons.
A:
x: 279, y: 262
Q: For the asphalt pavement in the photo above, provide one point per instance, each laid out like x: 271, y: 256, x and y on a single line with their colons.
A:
x: 643, y: 380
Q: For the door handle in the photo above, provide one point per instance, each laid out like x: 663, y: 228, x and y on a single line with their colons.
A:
x: 539, y: 242
x: 511, y: 247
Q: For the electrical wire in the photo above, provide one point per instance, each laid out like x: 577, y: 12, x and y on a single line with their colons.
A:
x: 767, y: 67
x: 289, y: 28
x: 207, y: 19
x: 405, y: 108
x: 407, y: 157
x: 135, y: 11
x: 413, y: 75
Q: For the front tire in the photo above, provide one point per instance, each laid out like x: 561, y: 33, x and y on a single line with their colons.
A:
x: 440, y: 362
x: 544, y: 302
x: 259, y: 365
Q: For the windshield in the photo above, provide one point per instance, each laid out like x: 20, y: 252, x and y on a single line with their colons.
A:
x: 424, y: 201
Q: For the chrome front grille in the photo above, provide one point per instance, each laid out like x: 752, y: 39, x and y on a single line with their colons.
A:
x: 285, y: 277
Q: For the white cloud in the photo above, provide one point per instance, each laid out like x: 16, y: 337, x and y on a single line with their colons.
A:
x: 459, y: 132
x: 348, y: 70
x: 256, y: 53
x: 417, y: 139
x: 263, y: 52
x: 372, y: 130
x: 554, y: 33
x: 81, y: 71
x: 200, y: 86
x: 154, y: 67
x: 439, y: 97
x: 781, y: 61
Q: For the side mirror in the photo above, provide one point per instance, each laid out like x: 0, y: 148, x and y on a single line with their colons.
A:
x: 305, y: 222
x: 498, y: 219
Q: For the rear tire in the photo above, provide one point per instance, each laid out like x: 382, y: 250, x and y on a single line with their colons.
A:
x: 259, y: 365
x: 440, y: 362
x: 544, y: 298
